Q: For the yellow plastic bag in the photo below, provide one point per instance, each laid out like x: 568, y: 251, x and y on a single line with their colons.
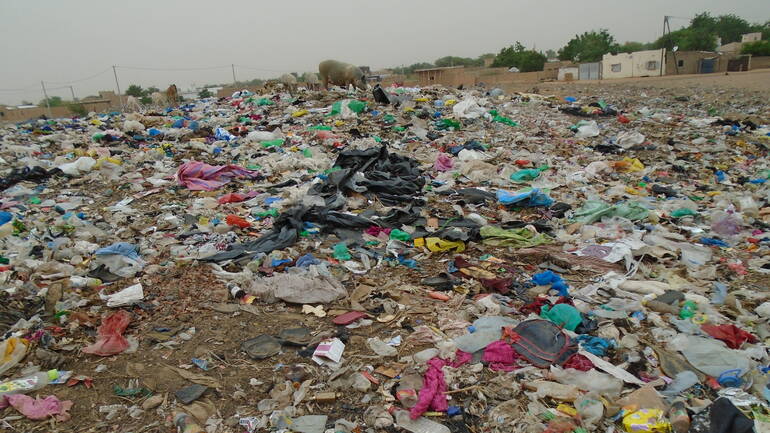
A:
x: 629, y: 165
x: 438, y: 244
x: 646, y: 421
x: 299, y: 113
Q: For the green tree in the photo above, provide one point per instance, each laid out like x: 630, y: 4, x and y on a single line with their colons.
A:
x: 758, y: 48
x: 730, y: 28
x: 517, y: 55
x: 588, y: 47
x: 53, y: 101
x: 630, y: 47
x: 135, y: 91
x: 458, y: 61
x: 150, y: 90
x: 406, y: 70
x: 77, y: 108
x: 204, y: 93
x: 551, y: 54
x: 145, y: 100
x: 688, y: 39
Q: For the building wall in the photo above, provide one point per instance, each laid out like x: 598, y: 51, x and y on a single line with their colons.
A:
x: 732, y: 47
x: 636, y: 64
x: 751, y: 37
x: 569, y: 73
x: 760, y: 62
x: 647, y: 63
x: 14, y: 115
x: 617, y: 66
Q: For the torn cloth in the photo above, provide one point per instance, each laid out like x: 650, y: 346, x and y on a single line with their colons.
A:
x: 37, y: 408
x: 733, y: 336
x: 500, y: 356
x: 199, y: 176
x: 433, y: 388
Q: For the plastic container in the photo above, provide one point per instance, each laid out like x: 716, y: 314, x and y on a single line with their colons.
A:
x: 419, y: 425
x: 29, y: 383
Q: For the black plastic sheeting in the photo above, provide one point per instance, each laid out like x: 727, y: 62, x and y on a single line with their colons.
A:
x: 32, y: 174
x: 392, y: 178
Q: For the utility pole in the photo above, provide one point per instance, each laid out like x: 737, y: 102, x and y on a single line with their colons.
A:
x: 233, y: 68
x: 47, y: 104
x: 72, y: 91
x: 117, y: 84
x: 662, y: 50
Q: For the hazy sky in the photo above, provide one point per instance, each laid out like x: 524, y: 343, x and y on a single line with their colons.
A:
x: 65, y: 40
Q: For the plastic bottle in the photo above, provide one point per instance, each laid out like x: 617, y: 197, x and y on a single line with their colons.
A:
x: 28, y: 384
x: 419, y: 425
x: 678, y: 417
x: 186, y: 424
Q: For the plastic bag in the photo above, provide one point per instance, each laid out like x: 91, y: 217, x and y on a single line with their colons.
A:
x: 587, y: 129
x: 110, y: 340
x: 12, y: 351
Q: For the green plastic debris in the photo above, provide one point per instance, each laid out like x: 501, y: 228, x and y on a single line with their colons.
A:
x: 517, y: 238
x: 272, y: 143
x: 563, y: 315
x: 683, y: 212
x: 35, y: 200
x: 98, y: 136
x: 307, y: 153
x: 341, y: 252
x: 504, y: 120
x: 320, y: 128
x: 526, y: 175
x: 595, y: 210
x: 388, y: 119
x: 272, y: 212
x: 400, y: 235
x: 689, y: 308
x: 264, y: 101
x: 4, y: 260
x: 356, y: 106
x: 449, y: 123
x: 399, y: 128
x: 377, y: 138
x: 254, y: 166
x: 131, y: 392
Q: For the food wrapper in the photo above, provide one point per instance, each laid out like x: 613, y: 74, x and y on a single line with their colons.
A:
x: 646, y: 421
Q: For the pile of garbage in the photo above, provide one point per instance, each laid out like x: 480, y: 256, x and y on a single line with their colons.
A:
x: 422, y: 259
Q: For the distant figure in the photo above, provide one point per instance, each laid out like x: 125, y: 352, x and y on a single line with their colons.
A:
x: 311, y: 80
x: 290, y: 81
x: 341, y: 74
x: 172, y: 95
x: 133, y: 105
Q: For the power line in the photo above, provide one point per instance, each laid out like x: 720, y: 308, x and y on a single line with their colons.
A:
x: 81, y: 79
x: 141, y: 68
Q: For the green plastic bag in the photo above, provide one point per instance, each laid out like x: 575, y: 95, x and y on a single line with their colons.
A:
x: 272, y: 143
x: 563, y: 315
x: 264, y: 101
x: 341, y: 252
x: 595, y: 210
x: 683, y: 212
x: 400, y: 235
x: 517, y: 238
x: 320, y: 128
x: 504, y: 120
x: 449, y: 123
x: 356, y: 106
x: 526, y: 175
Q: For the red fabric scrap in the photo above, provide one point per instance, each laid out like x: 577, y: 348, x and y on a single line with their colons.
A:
x: 375, y: 231
x: 578, y: 362
x: 501, y: 285
x: 733, y: 336
x: 110, y: 340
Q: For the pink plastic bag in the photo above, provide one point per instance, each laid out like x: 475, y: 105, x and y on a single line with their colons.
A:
x: 443, y: 162
x: 37, y: 408
x: 199, y: 176
x: 110, y: 340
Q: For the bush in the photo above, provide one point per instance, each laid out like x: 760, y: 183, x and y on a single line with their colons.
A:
x: 518, y: 56
x: 759, y: 48
x: 77, y: 108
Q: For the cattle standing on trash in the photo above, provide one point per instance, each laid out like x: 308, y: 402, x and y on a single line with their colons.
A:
x: 341, y: 74
x: 172, y: 95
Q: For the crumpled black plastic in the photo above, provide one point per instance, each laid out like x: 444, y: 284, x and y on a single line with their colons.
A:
x: 32, y: 174
x: 726, y: 418
x: 380, y: 96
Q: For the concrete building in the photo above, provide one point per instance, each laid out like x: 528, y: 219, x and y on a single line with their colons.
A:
x: 705, y: 62
x: 636, y: 64
x: 751, y: 37
x: 567, y: 73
